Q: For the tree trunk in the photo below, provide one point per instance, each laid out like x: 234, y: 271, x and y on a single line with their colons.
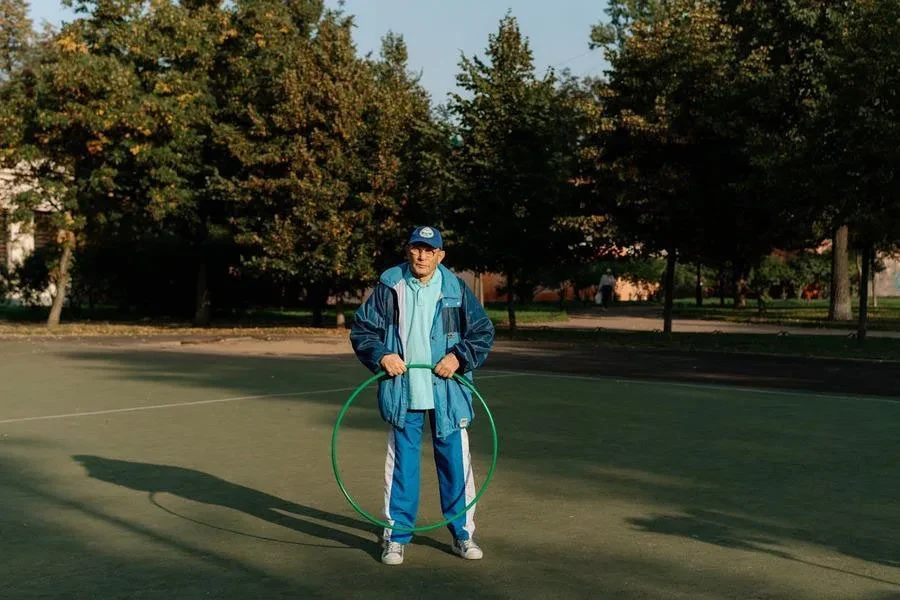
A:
x: 699, y: 286
x: 874, y: 295
x: 721, y: 286
x: 318, y: 310
x: 864, y: 295
x: 202, y: 313
x: 317, y: 299
x: 340, y: 321
x: 740, y: 288
x: 62, y: 282
x: 670, y: 291
x: 479, y: 288
x: 840, y: 305
x: 510, y: 301
x: 831, y: 289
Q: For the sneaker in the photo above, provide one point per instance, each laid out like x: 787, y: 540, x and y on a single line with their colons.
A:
x: 393, y: 553
x: 467, y: 549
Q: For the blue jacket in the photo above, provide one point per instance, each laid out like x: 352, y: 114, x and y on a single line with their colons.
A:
x: 460, y: 325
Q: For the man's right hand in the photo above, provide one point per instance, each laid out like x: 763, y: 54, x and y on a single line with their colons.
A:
x: 393, y: 365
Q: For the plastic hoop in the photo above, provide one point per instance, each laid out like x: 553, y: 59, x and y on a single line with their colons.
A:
x: 362, y: 512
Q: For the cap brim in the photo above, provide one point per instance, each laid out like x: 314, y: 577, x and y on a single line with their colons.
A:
x: 427, y: 242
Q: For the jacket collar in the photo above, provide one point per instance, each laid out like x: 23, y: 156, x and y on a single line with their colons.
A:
x: 450, y: 289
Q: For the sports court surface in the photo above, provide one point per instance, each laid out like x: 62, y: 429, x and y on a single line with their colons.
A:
x: 141, y: 471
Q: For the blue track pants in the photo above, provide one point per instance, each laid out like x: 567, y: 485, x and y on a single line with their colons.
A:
x: 456, y: 482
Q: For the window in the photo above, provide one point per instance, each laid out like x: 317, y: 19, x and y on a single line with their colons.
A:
x: 44, y: 231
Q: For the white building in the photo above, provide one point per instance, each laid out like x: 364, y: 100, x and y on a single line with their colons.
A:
x: 887, y: 283
x: 18, y: 239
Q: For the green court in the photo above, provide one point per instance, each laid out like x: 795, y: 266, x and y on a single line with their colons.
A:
x: 173, y: 474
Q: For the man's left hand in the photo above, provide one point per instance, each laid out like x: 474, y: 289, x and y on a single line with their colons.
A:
x: 447, y: 366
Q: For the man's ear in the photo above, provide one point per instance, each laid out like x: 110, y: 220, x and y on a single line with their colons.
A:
x: 440, y: 256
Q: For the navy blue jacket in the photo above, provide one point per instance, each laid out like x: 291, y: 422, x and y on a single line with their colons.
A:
x: 460, y: 326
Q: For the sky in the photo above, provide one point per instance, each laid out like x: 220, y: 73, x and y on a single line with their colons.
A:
x: 437, y: 31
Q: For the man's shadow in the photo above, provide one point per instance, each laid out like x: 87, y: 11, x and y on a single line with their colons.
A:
x: 209, y: 489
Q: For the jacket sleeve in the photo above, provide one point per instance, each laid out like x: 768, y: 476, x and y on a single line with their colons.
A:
x: 477, y: 337
x: 367, y: 333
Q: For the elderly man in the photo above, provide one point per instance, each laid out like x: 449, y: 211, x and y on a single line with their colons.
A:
x: 420, y: 312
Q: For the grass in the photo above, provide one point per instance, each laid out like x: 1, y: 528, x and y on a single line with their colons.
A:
x: 798, y: 313
x: 529, y: 313
x: 254, y: 317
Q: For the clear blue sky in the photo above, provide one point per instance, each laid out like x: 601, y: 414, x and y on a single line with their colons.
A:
x: 436, y: 31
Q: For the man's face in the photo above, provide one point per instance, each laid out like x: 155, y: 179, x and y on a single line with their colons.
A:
x: 423, y: 259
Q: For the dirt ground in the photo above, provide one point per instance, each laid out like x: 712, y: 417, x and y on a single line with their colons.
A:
x: 650, y: 319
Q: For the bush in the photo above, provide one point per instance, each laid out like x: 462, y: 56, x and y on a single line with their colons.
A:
x: 31, y: 279
x: 5, y: 284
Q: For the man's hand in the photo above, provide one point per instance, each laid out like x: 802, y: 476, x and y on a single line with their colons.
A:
x: 393, y: 365
x: 447, y: 366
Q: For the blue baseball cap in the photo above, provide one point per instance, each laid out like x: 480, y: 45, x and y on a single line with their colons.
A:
x: 426, y: 235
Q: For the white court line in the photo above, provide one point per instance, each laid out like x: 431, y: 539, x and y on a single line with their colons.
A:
x: 704, y: 386
x: 113, y: 411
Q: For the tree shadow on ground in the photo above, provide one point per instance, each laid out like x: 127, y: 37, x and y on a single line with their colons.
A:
x: 50, y: 552
x: 729, y: 531
x: 64, y: 547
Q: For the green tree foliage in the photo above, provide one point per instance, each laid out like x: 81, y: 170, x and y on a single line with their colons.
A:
x: 518, y: 165
x: 177, y: 126
x: 16, y: 36
x: 852, y: 130
x: 114, y: 124
x: 670, y: 149
x: 325, y: 150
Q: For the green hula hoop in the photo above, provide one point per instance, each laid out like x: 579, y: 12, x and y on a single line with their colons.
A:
x: 362, y: 512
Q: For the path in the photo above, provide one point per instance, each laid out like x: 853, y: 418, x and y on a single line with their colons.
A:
x: 650, y: 319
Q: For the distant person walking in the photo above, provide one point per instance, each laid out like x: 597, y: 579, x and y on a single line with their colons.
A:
x: 607, y: 287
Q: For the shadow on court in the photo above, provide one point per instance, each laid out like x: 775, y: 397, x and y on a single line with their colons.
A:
x: 198, y: 486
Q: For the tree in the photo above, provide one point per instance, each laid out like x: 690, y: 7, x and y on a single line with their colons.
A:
x: 16, y: 36
x: 517, y: 166
x: 785, y: 139
x: 114, y: 123
x: 407, y: 155
x: 671, y: 141
x: 327, y: 173
x: 404, y: 156
x: 287, y: 132
x: 37, y: 144
x: 857, y: 143
x: 159, y: 161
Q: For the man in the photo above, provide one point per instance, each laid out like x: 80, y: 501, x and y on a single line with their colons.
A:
x: 607, y: 286
x: 420, y: 312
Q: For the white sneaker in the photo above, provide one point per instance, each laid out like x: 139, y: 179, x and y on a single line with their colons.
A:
x: 393, y: 553
x: 467, y: 549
